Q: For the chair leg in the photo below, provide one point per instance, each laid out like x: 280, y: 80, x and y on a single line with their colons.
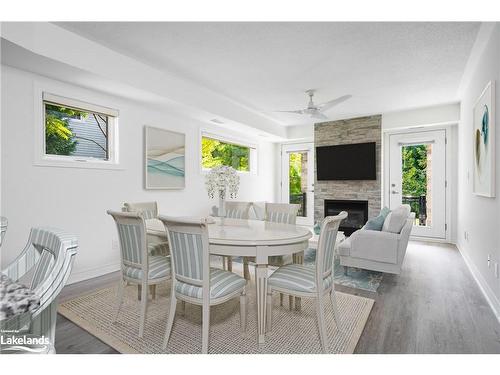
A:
x: 224, y: 263
x: 139, y: 292
x: 243, y: 311
x: 144, y: 306
x: 246, y: 269
x: 183, y: 307
x: 170, y: 321
x: 152, y: 289
x: 229, y: 264
x: 320, y: 312
x: 121, y: 289
x: 281, y: 299
x: 333, y: 298
x: 291, y: 301
x: 205, y: 328
x: 269, y: 317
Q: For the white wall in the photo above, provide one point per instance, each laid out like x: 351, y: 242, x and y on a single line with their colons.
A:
x: 77, y: 199
x: 480, y: 216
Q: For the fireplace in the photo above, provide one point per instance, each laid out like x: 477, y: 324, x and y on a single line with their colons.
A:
x: 357, y: 213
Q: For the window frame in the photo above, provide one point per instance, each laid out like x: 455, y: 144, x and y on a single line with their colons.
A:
x: 74, y: 99
x: 253, y: 157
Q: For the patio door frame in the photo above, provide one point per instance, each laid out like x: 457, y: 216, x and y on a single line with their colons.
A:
x: 450, y: 145
x: 298, y: 147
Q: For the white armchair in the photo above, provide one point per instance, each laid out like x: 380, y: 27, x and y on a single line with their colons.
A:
x: 374, y: 250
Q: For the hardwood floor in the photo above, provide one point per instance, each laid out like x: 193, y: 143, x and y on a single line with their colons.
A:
x: 434, y: 306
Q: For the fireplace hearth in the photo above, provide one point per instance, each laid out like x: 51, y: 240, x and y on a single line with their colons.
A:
x: 357, y: 211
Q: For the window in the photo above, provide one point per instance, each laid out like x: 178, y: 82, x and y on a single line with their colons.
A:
x: 76, y: 131
x: 216, y: 151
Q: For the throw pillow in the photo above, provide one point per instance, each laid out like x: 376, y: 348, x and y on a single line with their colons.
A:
x: 376, y: 223
x: 395, y: 221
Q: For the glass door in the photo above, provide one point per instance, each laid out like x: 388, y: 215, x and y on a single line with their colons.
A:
x: 297, y: 180
x: 418, y: 178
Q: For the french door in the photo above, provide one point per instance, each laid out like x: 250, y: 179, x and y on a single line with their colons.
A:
x: 418, y: 178
x: 297, y: 179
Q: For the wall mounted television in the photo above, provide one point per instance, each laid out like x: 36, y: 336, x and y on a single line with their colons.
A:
x: 355, y: 161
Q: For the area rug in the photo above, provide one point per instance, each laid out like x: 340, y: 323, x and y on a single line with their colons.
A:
x: 292, y: 331
x: 355, y: 278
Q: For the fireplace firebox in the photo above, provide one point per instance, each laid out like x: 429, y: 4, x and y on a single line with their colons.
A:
x: 357, y: 213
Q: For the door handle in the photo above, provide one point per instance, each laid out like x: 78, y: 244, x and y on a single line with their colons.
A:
x: 394, y: 192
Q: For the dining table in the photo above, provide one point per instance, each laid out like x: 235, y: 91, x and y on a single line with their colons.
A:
x: 250, y: 238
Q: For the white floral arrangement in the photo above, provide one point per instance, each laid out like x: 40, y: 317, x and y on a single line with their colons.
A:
x: 222, y: 181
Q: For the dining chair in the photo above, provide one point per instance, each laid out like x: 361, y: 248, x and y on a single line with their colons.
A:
x: 45, y: 265
x: 193, y: 280
x: 311, y: 281
x: 156, y: 245
x: 138, y: 266
x: 235, y: 210
x: 3, y: 228
x: 276, y: 213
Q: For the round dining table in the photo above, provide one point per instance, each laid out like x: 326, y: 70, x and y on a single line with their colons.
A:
x: 250, y: 238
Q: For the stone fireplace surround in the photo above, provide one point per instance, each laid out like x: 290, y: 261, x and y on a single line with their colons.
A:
x: 355, y: 130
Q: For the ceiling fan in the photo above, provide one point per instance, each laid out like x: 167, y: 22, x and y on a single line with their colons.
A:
x: 317, y: 111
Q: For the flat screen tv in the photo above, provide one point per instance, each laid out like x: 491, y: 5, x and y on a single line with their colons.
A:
x: 355, y: 161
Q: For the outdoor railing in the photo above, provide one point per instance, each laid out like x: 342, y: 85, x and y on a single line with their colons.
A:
x: 419, y: 206
x: 301, y: 200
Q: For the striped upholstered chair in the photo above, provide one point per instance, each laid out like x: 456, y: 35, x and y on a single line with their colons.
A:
x: 194, y: 281
x: 138, y: 266
x: 311, y: 281
x: 235, y: 210
x: 46, y: 261
x: 276, y: 213
x: 3, y: 228
x: 156, y: 245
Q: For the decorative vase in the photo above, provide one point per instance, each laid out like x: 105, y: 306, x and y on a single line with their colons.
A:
x: 222, y: 207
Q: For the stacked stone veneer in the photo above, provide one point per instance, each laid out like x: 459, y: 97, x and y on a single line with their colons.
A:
x: 356, y: 130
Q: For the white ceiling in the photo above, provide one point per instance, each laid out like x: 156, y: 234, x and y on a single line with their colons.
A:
x: 267, y: 66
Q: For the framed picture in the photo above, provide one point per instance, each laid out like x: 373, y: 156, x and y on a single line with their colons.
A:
x: 484, y: 142
x: 164, y: 159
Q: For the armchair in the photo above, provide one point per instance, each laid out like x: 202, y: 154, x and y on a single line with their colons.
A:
x: 382, y: 251
x: 49, y: 253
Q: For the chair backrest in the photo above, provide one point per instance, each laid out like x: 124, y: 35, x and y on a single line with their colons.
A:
x: 188, y: 239
x: 238, y: 210
x: 326, y: 245
x: 3, y: 227
x: 132, y: 237
x: 282, y: 212
x: 149, y: 210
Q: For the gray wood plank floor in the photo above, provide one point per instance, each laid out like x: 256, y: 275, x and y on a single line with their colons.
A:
x: 434, y: 306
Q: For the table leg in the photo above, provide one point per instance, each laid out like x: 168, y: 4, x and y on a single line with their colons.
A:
x: 298, y: 258
x: 261, y: 285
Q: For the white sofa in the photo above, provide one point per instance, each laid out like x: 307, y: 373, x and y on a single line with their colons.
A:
x: 383, y: 250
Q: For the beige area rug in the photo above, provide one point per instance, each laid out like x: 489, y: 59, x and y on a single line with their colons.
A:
x: 293, y: 331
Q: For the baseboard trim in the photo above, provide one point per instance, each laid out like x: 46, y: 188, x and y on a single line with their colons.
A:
x: 92, y: 273
x: 481, y: 282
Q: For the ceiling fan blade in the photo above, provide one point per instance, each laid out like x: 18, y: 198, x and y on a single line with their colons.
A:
x: 326, y: 106
x: 297, y: 112
x: 319, y: 116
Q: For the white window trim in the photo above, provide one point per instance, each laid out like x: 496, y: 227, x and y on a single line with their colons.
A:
x: 254, y: 151
x: 64, y: 96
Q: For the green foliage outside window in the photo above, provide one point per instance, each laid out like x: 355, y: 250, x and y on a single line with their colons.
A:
x: 59, y: 139
x: 295, y: 174
x: 414, y: 170
x: 215, y: 153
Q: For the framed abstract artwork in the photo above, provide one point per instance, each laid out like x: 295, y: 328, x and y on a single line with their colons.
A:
x: 484, y: 142
x: 164, y: 159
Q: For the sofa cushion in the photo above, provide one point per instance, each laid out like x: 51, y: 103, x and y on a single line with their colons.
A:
x: 377, y: 223
x: 396, y: 219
